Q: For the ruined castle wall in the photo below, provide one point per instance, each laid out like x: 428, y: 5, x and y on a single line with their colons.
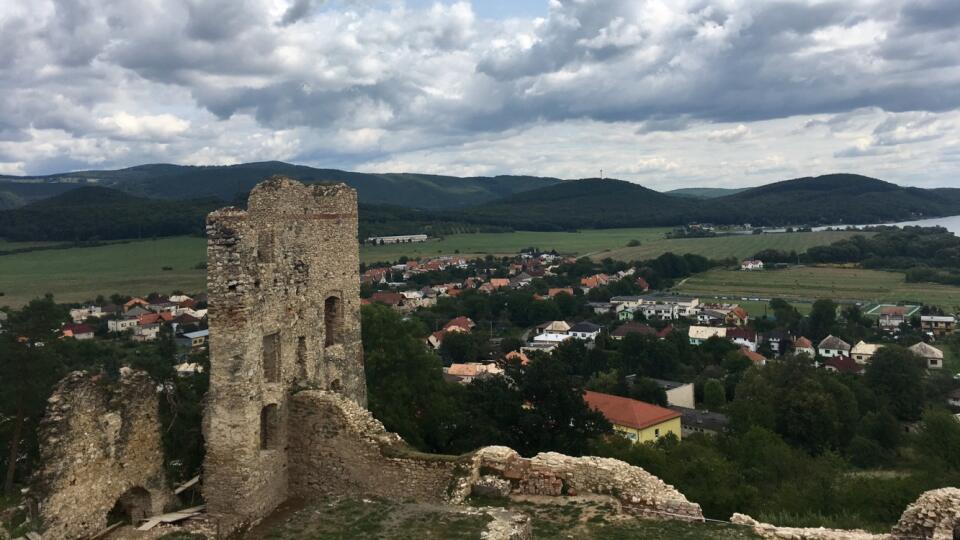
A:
x: 284, y: 315
x: 935, y: 514
x: 340, y: 448
x: 99, y: 443
x: 553, y: 474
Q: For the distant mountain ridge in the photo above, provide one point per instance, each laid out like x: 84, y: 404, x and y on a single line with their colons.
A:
x: 704, y: 193
x: 229, y: 181
x: 403, y: 203
x: 829, y: 199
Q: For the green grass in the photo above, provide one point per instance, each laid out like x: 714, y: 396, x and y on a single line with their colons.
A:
x: 77, y: 274
x: 808, y: 283
x: 567, y: 243
x: 351, y: 519
x: 740, y: 246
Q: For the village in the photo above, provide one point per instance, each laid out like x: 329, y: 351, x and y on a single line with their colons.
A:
x: 476, y: 349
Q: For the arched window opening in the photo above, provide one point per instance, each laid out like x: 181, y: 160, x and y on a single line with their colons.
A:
x: 271, y: 357
x: 131, y: 508
x: 269, y: 427
x: 333, y: 321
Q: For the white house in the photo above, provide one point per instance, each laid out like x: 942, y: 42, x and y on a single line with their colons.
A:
x: 78, y: 315
x: 931, y: 355
x: 832, y: 346
x: 121, y: 325
x: 743, y: 337
x: 751, y: 264
x: 863, y: 352
x: 802, y: 345
x: 699, y: 334
x: 551, y: 338
x: 585, y: 331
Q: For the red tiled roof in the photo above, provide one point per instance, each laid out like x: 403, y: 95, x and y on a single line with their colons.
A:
x: 741, y: 333
x: 75, y: 329
x: 740, y: 313
x: 754, y: 357
x: 559, y: 290
x: 843, y: 364
x: 460, y: 322
x: 642, y: 283
x: 388, y: 298
x: 628, y: 412
x: 802, y: 342
x: 634, y: 328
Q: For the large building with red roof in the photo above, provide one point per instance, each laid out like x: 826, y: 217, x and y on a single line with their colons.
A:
x: 635, y: 420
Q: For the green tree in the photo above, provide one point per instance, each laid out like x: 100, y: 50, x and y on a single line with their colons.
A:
x: 714, y: 395
x: 939, y: 439
x: 822, y: 320
x: 405, y: 384
x: 459, y: 347
x: 29, y: 368
x: 896, y: 377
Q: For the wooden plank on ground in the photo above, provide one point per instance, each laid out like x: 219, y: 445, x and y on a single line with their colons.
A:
x: 187, y: 485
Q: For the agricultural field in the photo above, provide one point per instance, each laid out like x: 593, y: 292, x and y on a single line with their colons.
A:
x: 740, y: 246
x: 477, y: 244
x: 136, y: 267
x: 808, y: 283
x: 77, y: 274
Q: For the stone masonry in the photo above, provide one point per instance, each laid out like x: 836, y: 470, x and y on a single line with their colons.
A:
x: 935, y: 515
x: 284, y: 316
x: 101, y: 454
x: 343, y: 449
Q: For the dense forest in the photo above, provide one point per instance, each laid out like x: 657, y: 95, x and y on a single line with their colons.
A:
x: 927, y: 254
x: 94, y: 213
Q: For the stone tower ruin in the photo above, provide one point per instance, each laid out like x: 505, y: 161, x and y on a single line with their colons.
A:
x: 284, y: 317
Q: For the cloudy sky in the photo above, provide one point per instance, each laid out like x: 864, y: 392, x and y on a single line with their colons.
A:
x: 670, y: 93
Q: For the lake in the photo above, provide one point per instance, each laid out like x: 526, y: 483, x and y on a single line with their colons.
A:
x: 951, y: 223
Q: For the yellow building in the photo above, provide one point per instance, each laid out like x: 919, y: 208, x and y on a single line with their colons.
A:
x: 636, y: 420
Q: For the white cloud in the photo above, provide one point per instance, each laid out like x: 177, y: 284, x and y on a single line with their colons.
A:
x: 729, y: 135
x: 152, y: 127
x: 433, y: 87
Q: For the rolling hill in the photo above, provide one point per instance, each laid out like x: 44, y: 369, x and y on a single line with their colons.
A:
x: 704, y: 193
x: 828, y: 199
x: 97, y: 213
x: 584, y: 204
x: 227, y: 182
x: 831, y: 199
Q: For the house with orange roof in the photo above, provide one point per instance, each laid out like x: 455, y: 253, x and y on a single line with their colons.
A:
x: 499, y: 283
x: 756, y: 358
x: 638, y: 421
x: 459, y: 324
x: 737, y: 317
x: 519, y: 356
x: 802, y: 345
x: 594, y: 281
x: 135, y: 302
